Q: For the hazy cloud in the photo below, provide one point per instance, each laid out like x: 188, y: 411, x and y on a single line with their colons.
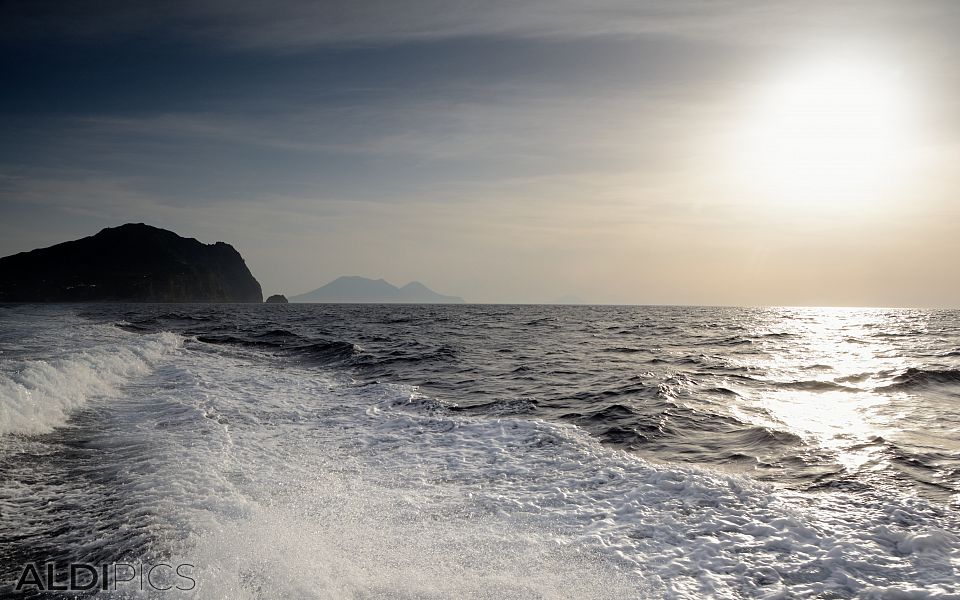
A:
x: 303, y: 23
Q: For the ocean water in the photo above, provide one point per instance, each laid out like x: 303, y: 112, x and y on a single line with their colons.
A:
x: 364, y: 451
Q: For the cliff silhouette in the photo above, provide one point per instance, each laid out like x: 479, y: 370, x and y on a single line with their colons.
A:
x: 129, y: 263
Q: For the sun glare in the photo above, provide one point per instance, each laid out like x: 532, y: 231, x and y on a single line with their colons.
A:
x: 828, y: 132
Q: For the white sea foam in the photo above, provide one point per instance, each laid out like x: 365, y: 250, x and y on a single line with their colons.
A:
x: 376, y: 544
x: 38, y: 395
x: 696, y: 532
x: 368, y: 492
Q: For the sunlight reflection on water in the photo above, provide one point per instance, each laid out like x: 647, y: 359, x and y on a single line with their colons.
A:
x: 839, y: 349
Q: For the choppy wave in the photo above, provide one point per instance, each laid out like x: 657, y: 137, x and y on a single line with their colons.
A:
x: 914, y: 378
x: 815, y: 385
x: 40, y: 394
x: 289, y: 344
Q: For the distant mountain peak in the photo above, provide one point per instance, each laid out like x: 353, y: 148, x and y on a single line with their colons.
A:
x: 353, y: 289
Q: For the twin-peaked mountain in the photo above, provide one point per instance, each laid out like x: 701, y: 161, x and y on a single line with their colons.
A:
x: 351, y: 289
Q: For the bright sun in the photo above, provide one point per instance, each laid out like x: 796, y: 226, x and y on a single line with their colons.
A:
x: 829, y: 132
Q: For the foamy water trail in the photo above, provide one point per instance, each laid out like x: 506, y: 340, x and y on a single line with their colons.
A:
x: 40, y: 394
x: 372, y: 492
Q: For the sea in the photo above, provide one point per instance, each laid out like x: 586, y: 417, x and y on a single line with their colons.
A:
x: 479, y: 451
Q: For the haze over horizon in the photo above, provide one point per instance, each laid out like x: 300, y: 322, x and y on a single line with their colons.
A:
x: 705, y: 153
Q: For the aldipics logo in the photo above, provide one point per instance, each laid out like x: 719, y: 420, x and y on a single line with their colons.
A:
x: 82, y: 577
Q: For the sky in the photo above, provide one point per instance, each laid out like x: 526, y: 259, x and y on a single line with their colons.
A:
x: 723, y: 152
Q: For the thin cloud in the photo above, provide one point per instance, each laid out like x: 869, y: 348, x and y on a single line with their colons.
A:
x: 293, y: 24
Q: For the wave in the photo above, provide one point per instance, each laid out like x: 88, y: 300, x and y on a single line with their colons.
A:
x: 780, y: 335
x: 723, y: 391
x: 42, y: 394
x: 623, y: 350
x: 815, y: 385
x: 855, y: 378
x: 288, y: 343
x: 441, y: 354
x: 806, y: 385
x: 513, y: 406
x: 276, y: 338
x: 817, y: 367
x: 161, y: 322
x: 734, y: 340
x: 914, y: 378
x: 682, y: 433
x: 328, y: 351
x: 760, y: 437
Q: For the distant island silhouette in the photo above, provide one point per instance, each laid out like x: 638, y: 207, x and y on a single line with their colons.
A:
x: 129, y: 263
x: 353, y: 289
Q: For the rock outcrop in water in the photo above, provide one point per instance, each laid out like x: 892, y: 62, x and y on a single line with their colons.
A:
x: 277, y: 299
x: 130, y: 263
x: 350, y: 290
